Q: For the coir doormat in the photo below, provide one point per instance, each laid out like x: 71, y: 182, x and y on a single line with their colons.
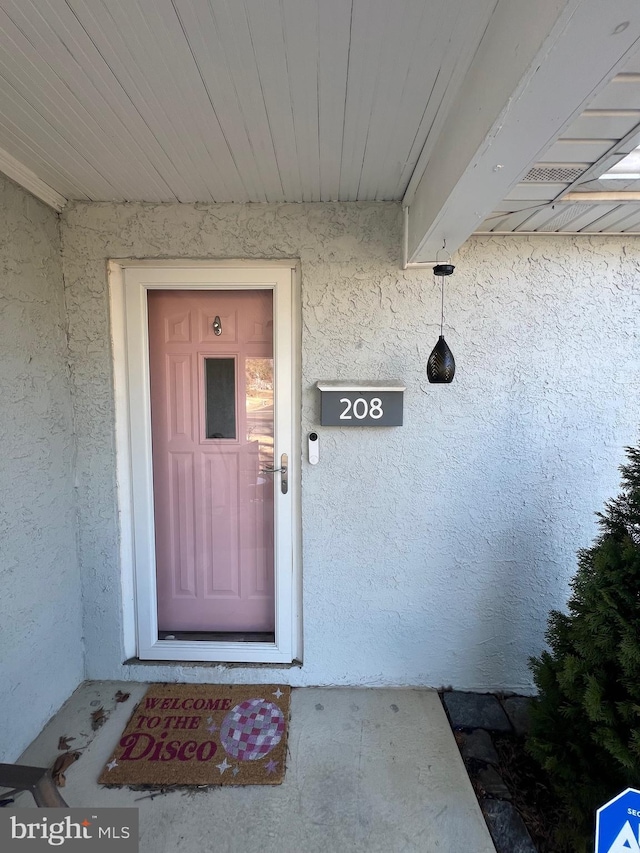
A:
x: 203, y: 734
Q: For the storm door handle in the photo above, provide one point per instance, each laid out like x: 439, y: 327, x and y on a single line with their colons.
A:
x: 284, y: 470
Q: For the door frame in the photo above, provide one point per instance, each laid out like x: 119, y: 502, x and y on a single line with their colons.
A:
x: 129, y: 281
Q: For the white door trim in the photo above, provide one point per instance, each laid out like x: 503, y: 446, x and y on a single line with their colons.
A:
x: 128, y: 284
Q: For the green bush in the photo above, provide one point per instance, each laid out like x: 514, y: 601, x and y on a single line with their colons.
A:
x: 586, y: 720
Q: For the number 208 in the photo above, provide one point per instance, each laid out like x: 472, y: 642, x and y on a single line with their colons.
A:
x: 361, y: 408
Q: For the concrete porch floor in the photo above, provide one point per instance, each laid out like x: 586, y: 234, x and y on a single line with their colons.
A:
x: 368, y: 770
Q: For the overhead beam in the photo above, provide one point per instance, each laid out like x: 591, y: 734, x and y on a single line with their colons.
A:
x: 22, y: 175
x: 537, y: 67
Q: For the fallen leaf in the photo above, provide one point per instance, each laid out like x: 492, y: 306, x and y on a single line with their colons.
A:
x: 98, y: 718
x: 122, y: 697
x: 65, y: 743
x: 60, y: 765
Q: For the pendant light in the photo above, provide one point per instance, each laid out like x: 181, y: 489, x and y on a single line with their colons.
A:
x: 441, y: 365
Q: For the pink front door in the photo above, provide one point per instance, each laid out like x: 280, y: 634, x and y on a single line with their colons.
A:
x: 211, y: 370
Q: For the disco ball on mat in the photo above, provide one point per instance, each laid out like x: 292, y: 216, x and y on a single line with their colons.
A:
x: 252, y: 729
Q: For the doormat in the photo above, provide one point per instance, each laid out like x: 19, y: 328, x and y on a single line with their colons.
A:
x: 203, y: 734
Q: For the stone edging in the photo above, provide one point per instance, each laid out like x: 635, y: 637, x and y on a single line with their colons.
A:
x: 475, y: 718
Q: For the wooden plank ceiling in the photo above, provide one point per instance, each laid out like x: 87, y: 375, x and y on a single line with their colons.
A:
x: 229, y: 100
x: 446, y: 105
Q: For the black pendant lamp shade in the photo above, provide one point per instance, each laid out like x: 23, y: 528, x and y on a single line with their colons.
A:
x: 441, y: 366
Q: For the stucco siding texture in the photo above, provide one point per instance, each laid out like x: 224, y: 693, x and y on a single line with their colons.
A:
x: 432, y: 552
x: 41, y: 655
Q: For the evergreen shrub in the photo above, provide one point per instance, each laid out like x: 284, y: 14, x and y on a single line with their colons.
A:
x: 586, y: 720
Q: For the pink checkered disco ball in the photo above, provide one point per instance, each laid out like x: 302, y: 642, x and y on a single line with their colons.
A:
x: 252, y: 729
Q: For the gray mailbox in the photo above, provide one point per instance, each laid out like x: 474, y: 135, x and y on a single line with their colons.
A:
x: 361, y: 403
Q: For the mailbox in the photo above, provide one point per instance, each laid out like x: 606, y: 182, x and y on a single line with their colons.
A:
x: 361, y: 403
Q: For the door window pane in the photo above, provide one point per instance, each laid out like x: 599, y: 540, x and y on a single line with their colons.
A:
x: 220, y: 394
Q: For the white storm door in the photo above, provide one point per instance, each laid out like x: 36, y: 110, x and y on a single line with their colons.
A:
x: 181, y: 609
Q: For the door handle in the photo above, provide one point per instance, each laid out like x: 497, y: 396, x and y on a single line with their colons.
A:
x: 284, y: 470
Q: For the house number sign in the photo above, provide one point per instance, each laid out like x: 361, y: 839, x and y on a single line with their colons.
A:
x: 377, y: 403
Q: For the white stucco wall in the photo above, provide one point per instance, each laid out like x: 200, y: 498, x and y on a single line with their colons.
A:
x: 41, y: 656
x: 432, y: 552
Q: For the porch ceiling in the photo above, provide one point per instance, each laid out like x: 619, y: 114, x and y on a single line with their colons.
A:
x: 261, y: 100
x: 444, y: 104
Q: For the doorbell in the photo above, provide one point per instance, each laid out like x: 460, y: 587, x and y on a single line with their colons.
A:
x: 314, y: 448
